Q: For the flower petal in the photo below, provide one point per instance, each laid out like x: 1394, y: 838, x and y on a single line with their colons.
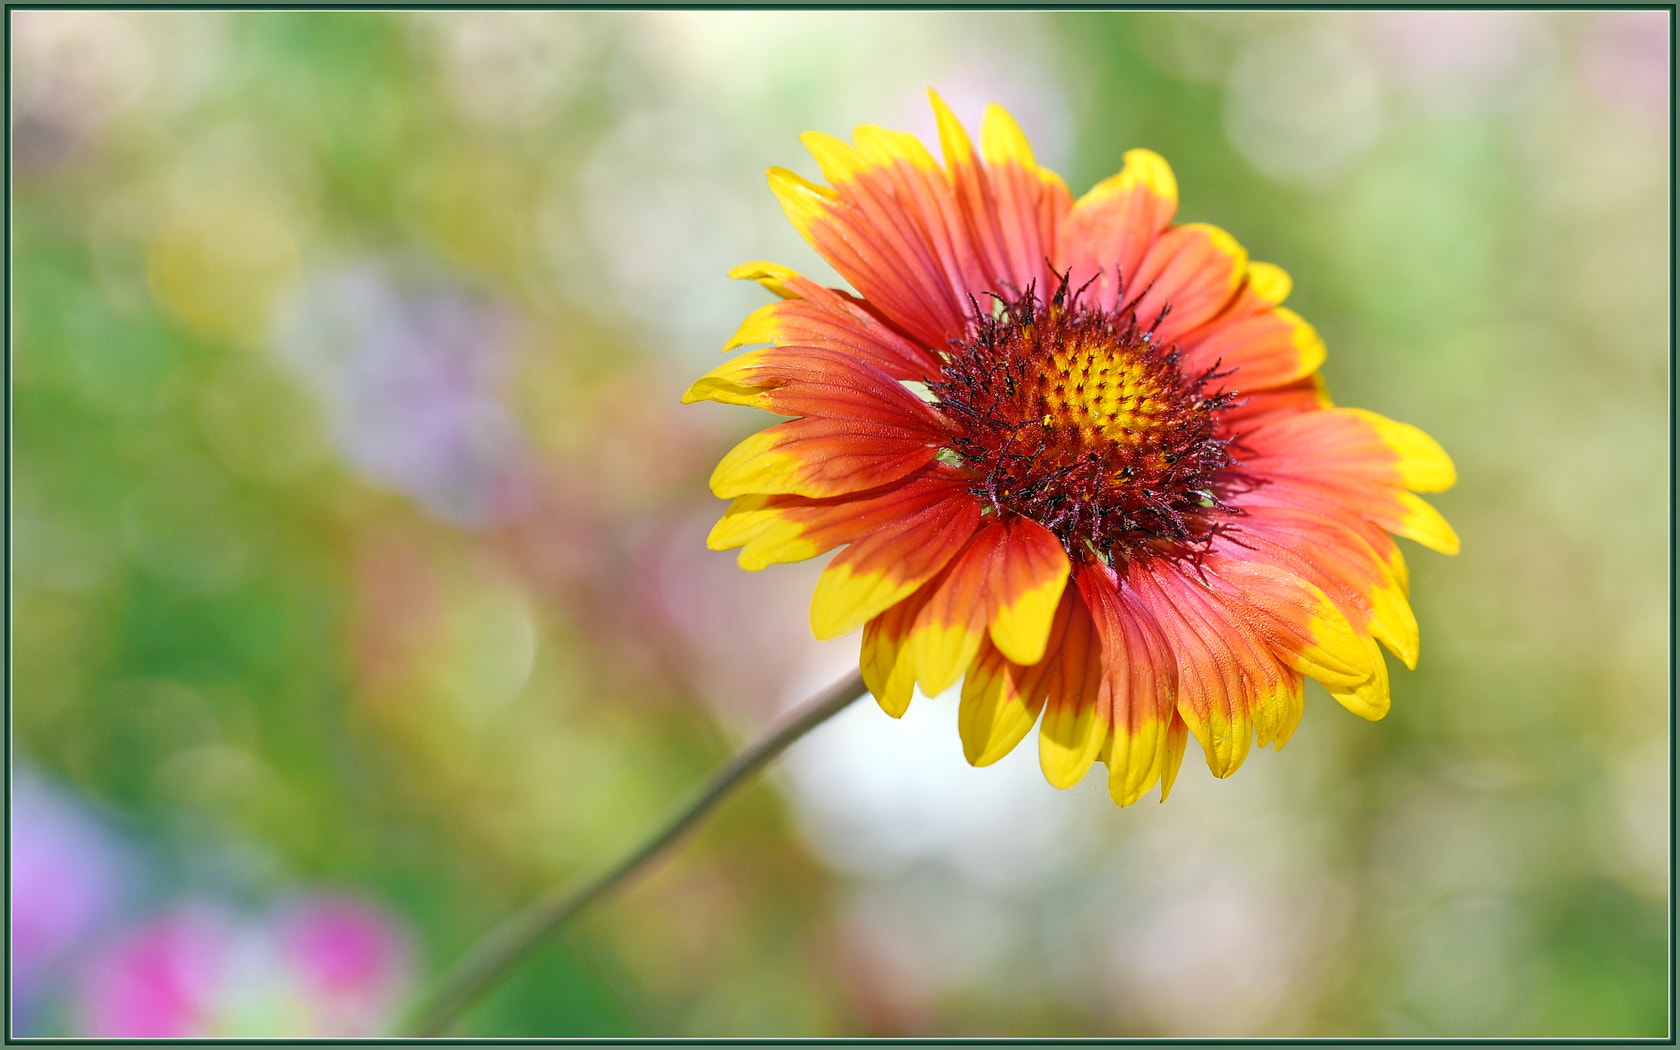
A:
x: 1008, y: 579
x: 947, y: 633
x: 1269, y: 281
x: 890, y: 176
x: 1230, y: 685
x: 1257, y: 405
x: 978, y: 206
x: 1262, y: 345
x: 784, y: 528
x: 1361, y: 582
x: 773, y: 276
x: 1023, y: 587
x: 879, y: 235
x: 813, y: 381
x: 1142, y: 684
x: 1370, y: 698
x: 1030, y: 202
x: 1421, y: 523
x: 821, y: 457
x: 1365, y: 585
x: 1109, y: 229
x: 1191, y: 272
x: 1423, y: 464
x: 918, y: 181
x: 1351, y: 446
x: 928, y: 245
x: 1338, y: 461
x: 941, y: 630
x: 1353, y: 503
x: 1297, y: 620
x: 881, y: 569
x: 889, y: 678
x: 804, y: 202
x: 1178, y: 739
x: 1001, y: 699
x: 872, y: 256
x: 812, y: 315
x: 1077, y: 715
x: 765, y: 534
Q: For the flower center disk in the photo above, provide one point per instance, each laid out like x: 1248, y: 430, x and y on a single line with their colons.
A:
x: 1082, y: 421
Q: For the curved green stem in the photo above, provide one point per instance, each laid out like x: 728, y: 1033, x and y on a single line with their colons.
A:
x: 504, y: 947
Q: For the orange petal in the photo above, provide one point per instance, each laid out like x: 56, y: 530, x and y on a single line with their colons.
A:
x: 1001, y: 699
x: 1111, y: 228
x: 1255, y: 406
x: 1336, y: 558
x: 812, y: 315
x: 1023, y: 586
x: 884, y: 567
x: 1142, y: 683
x: 1297, y: 620
x: 1262, y: 345
x: 1338, y: 461
x: 946, y: 635
x: 783, y: 528
x: 821, y: 457
x: 1030, y: 203
x: 1351, y: 446
x: 890, y: 678
x: 1009, y: 579
x: 812, y: 381
x: 928, y: 245
x: 867, y: 249
x: 1077, y: 710
x: 976, y: 203
x: 906, y: 168
x: 1423, y: 464
x: 876, y: 235
x: 1230, y: 685
x: 1192, y: 272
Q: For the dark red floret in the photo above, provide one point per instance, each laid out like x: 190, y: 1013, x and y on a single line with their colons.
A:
x: 1083, y: 421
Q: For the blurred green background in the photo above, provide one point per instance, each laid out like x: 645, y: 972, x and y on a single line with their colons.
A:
x: 358, y: 531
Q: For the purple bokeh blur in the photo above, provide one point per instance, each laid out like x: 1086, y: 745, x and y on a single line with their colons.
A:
x: 66, y: 881
x: 409, y: 375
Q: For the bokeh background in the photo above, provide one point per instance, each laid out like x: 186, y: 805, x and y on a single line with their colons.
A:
x: 359, y: 585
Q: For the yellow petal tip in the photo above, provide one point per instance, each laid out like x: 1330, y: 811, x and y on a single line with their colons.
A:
x: 1146, y: 168
x: 1271, y: 283
x: 1002, y: 141
x: 772, y: 276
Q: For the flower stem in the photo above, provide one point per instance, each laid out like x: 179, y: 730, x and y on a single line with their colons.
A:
x: 502, y: 949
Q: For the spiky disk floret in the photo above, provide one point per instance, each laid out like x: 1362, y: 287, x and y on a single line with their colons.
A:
x: 1084, y: 421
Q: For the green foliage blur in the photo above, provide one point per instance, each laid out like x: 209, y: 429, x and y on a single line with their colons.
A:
x: 358, y: 531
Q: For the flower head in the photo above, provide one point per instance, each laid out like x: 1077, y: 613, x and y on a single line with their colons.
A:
x: 1079, y: 456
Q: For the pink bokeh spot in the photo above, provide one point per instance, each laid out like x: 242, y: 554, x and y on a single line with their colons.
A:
x: 348, y: 958
x: 326, y: 965
x: 158, y: 981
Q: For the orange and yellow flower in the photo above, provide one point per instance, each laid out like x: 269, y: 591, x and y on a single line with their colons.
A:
x: 1079, y: 458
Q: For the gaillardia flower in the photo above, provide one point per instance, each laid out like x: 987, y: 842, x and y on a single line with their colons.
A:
x: 1080, y: 457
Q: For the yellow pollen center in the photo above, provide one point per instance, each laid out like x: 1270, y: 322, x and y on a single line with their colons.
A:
x: 1098, y: 391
